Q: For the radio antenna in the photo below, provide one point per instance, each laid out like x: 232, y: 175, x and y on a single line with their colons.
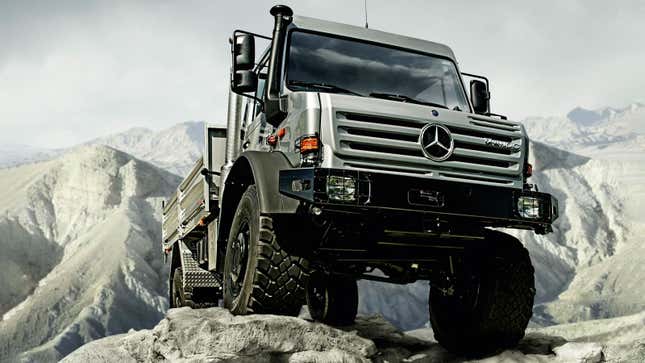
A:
x: 365, y: 8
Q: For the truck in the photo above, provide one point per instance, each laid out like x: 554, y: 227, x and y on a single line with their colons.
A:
x: 351, y: 153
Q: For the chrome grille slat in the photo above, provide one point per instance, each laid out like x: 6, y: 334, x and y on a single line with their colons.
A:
x: 472, y: 140
x: 423, y: 162
x: 496, y: 126
x: 514, y: 158
x: 375, y: 166
x: 379, y: 127
x: 377, y: 141
x: 483, y: 130
x: 495, y: 121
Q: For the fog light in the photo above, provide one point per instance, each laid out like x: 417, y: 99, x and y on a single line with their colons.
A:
x: 528, y: 207
x: 341, y: 188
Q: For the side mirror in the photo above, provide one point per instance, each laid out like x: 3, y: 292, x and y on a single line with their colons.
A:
x: 244, y: 81
x: 243, y: 52
x: 479, y: 96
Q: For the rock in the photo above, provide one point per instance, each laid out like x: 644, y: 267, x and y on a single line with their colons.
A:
x: 215, y: 335
x: 580, y: 352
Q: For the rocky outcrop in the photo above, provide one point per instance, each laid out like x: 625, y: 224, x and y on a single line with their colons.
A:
x: 214, y: 335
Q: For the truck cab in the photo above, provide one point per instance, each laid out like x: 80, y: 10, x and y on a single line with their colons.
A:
x: 349, y: 150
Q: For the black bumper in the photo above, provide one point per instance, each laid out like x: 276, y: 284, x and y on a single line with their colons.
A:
x: 475, y: 204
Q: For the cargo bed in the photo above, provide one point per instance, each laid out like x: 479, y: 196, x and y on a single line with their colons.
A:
x: 197, y: 196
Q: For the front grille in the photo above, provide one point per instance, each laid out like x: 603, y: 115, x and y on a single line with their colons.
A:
x: 390, y: 143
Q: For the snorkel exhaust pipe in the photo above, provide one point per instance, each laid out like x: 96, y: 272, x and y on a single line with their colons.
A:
x: 283, y: 15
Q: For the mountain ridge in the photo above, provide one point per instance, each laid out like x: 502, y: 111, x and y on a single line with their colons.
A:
x: 95, y: 209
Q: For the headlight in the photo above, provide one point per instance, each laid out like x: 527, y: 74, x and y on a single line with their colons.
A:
x: 528, y: 207
x: 341, y: 188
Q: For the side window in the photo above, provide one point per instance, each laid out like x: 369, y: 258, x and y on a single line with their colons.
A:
x: 259, y: 93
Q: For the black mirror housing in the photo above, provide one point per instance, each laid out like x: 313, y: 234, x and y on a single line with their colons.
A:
x: 244, y: 81
x: 243, y: 52
x: 479, y: 96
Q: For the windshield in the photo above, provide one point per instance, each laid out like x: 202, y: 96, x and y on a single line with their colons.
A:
x: 330, y: 64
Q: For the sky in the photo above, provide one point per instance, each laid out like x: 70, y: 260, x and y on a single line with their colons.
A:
x: 71, y: 71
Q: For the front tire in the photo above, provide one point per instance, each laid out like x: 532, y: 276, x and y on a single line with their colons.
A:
x: 259, y: 276
x: 493, y: 306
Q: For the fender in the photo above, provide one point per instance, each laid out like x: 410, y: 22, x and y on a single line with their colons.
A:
x: 264, y: 169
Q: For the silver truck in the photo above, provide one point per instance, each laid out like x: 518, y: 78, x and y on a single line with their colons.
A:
x: 351, y: 153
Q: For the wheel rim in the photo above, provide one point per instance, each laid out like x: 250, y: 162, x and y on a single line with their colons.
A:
x: 239, y: 256
x: 316, y: 299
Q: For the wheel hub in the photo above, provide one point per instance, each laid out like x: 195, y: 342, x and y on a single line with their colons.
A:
x: 239, y: 249
x: 317, y: 296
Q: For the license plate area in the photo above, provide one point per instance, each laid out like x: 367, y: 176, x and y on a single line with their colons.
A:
x: 426, y: 198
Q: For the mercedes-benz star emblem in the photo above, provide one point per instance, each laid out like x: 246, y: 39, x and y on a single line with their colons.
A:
x: 436, y: 142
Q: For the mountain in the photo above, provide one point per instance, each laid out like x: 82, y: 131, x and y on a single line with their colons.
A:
x: 599, y: 237
x: 214, y: 335
x: 80, y: 251
x: 13, y: 155
x: 584, y: 130
x: 174, y: 149
x: 585, y: 117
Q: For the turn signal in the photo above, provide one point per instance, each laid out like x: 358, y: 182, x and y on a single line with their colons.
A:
x: 308, y: 144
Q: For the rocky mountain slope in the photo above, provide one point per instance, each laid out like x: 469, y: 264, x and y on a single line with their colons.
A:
x: 214, y: 335
x: 80, y: 256
x: 583, y: 128
x: 13, y: 155
x: 602, y: 233
x: 174, y: 149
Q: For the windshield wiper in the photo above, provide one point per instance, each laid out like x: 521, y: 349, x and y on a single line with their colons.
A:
x: 323, y: 86
x: 404, y: 98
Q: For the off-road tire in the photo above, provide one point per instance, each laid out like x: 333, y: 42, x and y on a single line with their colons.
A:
x: 274, y: 282
x: 332, y: 300
x: 178, y: 296
x: 493, y: 310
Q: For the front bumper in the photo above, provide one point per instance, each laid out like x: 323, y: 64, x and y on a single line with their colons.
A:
x: 462, y: 203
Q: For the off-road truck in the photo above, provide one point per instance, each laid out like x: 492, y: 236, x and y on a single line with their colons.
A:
x: 351, y: 153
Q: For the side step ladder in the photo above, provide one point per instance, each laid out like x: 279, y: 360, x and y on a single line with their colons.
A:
x: 202, y: 288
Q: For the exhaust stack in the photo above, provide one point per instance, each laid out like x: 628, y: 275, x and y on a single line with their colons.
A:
x: 282, y: 15
x: 233, y: 123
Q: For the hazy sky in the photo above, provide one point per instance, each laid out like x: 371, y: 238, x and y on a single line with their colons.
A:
x: 74, y: 70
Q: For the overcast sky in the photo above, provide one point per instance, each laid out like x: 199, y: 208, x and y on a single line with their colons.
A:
x: 74, y: 70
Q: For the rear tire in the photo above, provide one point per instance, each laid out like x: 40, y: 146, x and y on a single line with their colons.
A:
x: 332, y: 300
x: 259, y: 276
x: 491, y: 310
x: 177, y: 296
